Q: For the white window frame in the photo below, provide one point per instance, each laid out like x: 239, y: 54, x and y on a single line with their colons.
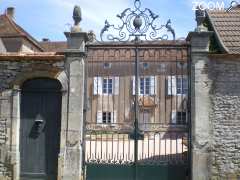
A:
x: 182, y: 83
x: 175, y: 116
x: 111, y: 121
x: 172, y: 85
x: 152, y: 85
x: 108, y: 90
x: 106, y: 117
x: 98, y: 86
x: 145, y: 86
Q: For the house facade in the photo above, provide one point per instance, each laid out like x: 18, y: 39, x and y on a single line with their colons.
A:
x: 67, y: 105
x: 163, y: 83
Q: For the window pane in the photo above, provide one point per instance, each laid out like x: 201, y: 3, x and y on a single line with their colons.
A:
x: 147, y: 80
x: 141, y: 85
x: 185, y: 86
x: 104, y: 117
x: 107, y: 86
x: 179, y: 85
x: 110, y: 86
x: 109, y: 117
x: 182, y: 85
x: 181, y: 117
x: 147, y: 85
x: 104, y: 81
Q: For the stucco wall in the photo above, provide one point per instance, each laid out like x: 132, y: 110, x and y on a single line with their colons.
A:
x: 2, y: 47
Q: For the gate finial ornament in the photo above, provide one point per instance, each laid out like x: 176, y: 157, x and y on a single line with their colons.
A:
x: 137, y: 23
x: 77, y: 17
x: 200, y: 18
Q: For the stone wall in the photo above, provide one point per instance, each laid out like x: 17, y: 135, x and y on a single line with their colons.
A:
x: 5, y: 165
x: 12, y: 73
x: 225, y: 119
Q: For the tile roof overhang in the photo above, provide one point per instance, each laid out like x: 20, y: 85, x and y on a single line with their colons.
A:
x: 226, y: 25
x: 13, y: 30
x: 39, y: 56
x: 225, y: 56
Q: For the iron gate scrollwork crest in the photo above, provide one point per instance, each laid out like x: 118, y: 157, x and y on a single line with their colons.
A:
x: 137, y: 22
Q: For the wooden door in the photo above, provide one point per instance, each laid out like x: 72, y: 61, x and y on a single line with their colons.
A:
x: 40, y: 129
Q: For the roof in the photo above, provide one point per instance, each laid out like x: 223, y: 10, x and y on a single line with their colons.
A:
x: 226, y: 25
x: 49, y: 46
x: 12, y: 44
x: 9, y: 29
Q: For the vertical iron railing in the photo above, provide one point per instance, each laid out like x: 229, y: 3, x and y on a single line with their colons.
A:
x: 136, y: 106
x: 119, y: 129
x: 132, y: 137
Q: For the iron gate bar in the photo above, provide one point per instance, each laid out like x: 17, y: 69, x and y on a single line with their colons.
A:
x: 136, y: 131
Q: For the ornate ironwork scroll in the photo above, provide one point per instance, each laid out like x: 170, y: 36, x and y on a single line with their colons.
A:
x: 137, y: 22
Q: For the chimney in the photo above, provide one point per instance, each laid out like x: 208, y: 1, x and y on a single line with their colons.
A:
x: 10, y: 12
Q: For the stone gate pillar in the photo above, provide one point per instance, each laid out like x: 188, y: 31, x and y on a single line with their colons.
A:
x: 75, y: 60
x: 200, y: 100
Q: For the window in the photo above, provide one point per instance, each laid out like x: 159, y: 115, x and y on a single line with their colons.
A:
x: 179, y: 118
x: 107, y: 86
x: 106, y: 117
x: 177, y: 85
x: 182, y: 85
x: 145, y: 65
x: 147, y: 85
x: 107, y: 65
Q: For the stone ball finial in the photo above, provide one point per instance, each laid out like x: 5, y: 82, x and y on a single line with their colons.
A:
x: 77, y: 15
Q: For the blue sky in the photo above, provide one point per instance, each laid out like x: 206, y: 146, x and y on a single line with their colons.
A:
x: 50, y: 18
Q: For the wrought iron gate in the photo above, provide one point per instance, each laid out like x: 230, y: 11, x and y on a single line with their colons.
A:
x: 138, y: 117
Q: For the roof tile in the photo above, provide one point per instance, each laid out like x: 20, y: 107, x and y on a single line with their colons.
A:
x: 9, y: 29
x: 227, y: 27
x: 54, y: 46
